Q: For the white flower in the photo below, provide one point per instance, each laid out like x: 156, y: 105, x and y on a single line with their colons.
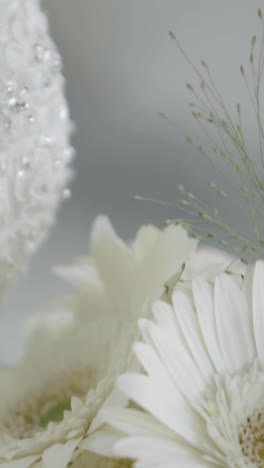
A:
x: 121, y: 278
x: 117, y: 285
x: 118, y: 279
x: 34, y: 133
x: 203, y: 391
x: 50, y: 401
x: 49, y: 404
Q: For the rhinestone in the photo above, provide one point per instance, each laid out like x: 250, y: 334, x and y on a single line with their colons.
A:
x: 12, y: 102
x: 26, y: 165
x: 66, y: 194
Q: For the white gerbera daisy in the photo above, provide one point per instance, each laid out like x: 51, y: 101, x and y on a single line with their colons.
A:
x: 204, y: 389
x: 118, y: 279
x: 118, y: 283
x: 49, y: 404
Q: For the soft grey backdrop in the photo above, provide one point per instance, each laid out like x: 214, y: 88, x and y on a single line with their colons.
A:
x: 122, y: 69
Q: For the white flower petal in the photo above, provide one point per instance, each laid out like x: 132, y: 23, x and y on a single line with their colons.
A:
x: 190, y: 328
x: 258, y: 309
x: 165, y: 317
x: 157, y: 451
x: 172, y: 411
x: 203, y: 297
x: 80, y: 273
x: 183, y: 370
x: 115, y: 261
x: 114, y: 398
x: 145, y: 239
x: 207, y: 262
x: 102, y: 442
x: 170, y: 371
x: 234, y: 327
x: 59, y: 455
x: 20, y: 462
x: 135, y: 422
x: 144, y: 325
x: 76, y: 404
x: 172, y: 248
x: 150, y: 360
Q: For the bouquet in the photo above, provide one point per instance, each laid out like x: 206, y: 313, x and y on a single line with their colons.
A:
x: 156, y: 359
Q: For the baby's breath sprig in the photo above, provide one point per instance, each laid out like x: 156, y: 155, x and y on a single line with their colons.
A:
x: 231, y: 147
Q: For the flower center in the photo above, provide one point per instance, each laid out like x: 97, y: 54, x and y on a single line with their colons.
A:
x: 87, y: 459
x: 34, y: 410
x: 251, y: 438
x: 55, y: 413
x: 120, y: 464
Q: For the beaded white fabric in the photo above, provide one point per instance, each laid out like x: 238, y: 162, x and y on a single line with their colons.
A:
x: 34, y: 133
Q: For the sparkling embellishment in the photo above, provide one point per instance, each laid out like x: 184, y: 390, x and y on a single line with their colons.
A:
x: 66, y: 194
x: 26, y: 164
x: 34, y: 133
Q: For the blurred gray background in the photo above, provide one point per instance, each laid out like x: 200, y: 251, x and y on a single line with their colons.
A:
x: 122, y: 69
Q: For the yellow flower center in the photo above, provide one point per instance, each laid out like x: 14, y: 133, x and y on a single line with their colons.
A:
x: 251, y: 439
x: 91, y: 460
x: 35, y: 409
x: 120, y: 463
